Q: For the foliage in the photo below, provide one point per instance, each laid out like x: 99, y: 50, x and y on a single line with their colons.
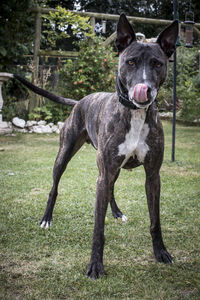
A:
x: 50, y: 112
x: 9, y: 110
x: 147, y: 8
x: 12, y: 91
x: 40, y: 113
x: 16, y: 40
x: 61, y: 24
x: 86, y: 74
x: 16, y: 32
x: 93, y: 71
x: 68, y: 4
x: 188, y: 86
x: 190, y: 99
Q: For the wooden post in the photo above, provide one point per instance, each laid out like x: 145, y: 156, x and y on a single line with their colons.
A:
x: 36, y: 47
x: 110, y: 39
x: 92, y: 23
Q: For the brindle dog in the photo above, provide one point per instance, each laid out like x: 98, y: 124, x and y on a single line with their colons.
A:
x: 125, y: 129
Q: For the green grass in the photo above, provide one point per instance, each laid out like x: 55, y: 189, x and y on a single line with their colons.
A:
x: 51, y: 264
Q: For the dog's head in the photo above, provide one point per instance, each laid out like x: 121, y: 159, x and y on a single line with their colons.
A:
x: 143, y: 66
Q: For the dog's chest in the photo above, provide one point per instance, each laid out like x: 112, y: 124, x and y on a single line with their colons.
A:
x: 135, y: 140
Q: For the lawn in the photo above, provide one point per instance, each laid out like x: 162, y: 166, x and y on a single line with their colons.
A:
x: 51, y: 264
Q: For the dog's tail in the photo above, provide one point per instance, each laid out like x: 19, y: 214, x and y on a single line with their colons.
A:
x: 44, y: 93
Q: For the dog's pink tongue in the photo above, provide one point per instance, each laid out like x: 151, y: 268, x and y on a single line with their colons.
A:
x: 140, y: 92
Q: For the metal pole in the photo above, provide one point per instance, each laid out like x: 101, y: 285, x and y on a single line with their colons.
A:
x: 174, y: 94
x: 174, y: 110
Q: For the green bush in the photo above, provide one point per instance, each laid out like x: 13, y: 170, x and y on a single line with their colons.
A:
x: 190, y: 100
x: 50, y: 112
x: 188, y: 84
x: 12, y: 91
x: 93, y: 71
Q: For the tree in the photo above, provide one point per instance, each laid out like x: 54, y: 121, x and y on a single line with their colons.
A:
x: 145, y: 8
x: 16, y: 32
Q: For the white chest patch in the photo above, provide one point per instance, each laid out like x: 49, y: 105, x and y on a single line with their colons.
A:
x: 144, y: 75
x: 134, y: 144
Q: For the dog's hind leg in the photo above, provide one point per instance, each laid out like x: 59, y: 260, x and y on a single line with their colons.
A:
x: 71, y: 139
x: 116, y: 212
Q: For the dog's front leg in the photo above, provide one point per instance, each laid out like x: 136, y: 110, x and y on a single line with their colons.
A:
x: 153, y: 198
x: 104, y: 190
x: 95, y: 268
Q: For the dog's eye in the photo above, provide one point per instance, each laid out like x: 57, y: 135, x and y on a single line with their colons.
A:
x: 131, y: 62
x: 158, y: 65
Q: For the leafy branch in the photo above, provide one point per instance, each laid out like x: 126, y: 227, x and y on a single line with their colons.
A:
x: 62, y: 23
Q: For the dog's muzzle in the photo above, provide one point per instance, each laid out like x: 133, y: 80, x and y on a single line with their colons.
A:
x: 142, y: 95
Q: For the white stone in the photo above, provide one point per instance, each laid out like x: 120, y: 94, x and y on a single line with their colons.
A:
x: 31, y: 123
x: 47, y: 129
x: 196, y: 120
x: 10, y: 125
x: 166, y: 114
x: 18, y: 122
x: 4, y: 125
x: 22, y: 130
x: 42, y: 122
x: 51, y: 124
x: 54, y: 128
x: 37, y: 129
x: 42, y: 129
x: 60, y: 125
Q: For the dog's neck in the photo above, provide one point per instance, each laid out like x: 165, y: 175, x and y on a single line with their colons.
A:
x: 123, y: 94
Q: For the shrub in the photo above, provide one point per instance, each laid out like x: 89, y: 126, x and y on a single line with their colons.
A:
x: 93, y: 71
x: 188, y: 84
x: 50, y: 112
x: 190, y: 99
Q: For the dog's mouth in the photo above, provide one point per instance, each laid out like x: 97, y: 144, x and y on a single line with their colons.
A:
x: 142, y: 95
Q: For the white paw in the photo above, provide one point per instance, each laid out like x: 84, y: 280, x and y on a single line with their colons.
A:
x: 45, y: 224
x: 124, y: 218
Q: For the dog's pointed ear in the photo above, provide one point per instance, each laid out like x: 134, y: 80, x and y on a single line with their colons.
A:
x: 125, y: 33
x: 167, y: 38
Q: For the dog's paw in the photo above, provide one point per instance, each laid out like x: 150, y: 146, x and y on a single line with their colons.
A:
x: 95, y: 270
x: 124, y: 218
x: 163, y: 256
x: 119, y: 215
x: 45, y: 224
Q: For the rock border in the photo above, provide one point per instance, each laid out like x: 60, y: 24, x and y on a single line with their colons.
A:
x: 32, y: 126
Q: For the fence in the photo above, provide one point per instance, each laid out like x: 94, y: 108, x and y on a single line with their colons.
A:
x: 38, y: 22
